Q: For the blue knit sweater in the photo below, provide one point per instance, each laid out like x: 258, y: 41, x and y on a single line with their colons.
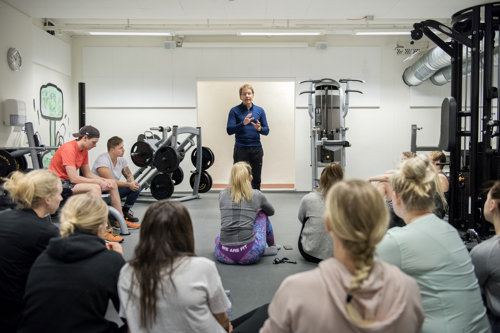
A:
x: 246, y: 136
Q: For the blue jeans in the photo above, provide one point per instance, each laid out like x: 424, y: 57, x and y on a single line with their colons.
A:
x: 131, y: 195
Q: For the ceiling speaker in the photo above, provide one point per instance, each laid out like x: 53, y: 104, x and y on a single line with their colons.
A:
x: 321, y: 45
x: 169, y: 45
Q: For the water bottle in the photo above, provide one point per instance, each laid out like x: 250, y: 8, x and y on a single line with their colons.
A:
x: 230, y: 311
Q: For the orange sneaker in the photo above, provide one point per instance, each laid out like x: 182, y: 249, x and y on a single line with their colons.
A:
x: 130, y: 225
x: 110, y: 236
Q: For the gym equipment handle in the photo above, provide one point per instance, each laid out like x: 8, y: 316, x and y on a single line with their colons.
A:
x: 356, y: 91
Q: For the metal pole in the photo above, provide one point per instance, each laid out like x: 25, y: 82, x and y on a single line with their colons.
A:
x: 81, y: 105
x: 456, y: 92
x: 30, y: 133
x: 474, y: 95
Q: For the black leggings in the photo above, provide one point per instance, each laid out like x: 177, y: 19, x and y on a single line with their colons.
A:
x: 303, y: 253
x: 252, y: 321
x: 253, y: 156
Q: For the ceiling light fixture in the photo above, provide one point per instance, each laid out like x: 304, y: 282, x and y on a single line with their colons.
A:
x: 128, y: 33
x: 376, y: 33
x: 276, y: 33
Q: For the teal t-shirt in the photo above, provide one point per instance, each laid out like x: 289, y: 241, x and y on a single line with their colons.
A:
x: 431, y: 251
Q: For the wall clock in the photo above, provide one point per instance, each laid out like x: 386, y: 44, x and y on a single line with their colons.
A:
x: 14, y: 59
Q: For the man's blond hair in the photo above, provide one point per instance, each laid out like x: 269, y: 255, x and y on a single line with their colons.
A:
x: 246, y: 86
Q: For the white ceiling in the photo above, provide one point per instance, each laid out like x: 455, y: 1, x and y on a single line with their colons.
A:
x: 296, y: 14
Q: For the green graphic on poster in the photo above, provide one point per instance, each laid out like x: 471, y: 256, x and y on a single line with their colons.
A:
x: 51, y: 107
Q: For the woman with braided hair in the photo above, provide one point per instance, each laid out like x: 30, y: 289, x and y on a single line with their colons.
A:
x: 350, y: 292
x: 431, y: 251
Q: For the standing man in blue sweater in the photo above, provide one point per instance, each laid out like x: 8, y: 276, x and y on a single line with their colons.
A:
x: 248, y: 121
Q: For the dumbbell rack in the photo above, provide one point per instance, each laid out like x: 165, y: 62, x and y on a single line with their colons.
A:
x: 146, y: 174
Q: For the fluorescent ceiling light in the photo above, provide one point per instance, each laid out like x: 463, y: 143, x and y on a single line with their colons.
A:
x: 129, y: 33
x: 276, y: 33
x: 372, y: 33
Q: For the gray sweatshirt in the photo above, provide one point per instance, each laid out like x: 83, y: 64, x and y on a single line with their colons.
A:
x: 316, y: 241
x: 486, y: 260
x: 237, y: 219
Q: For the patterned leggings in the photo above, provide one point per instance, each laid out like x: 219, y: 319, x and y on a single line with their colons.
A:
x: 263, y: 231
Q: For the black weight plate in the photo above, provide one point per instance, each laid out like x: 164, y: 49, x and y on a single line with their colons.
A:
x: 22, y: 163
x: 166, y: 159
x: 205, y: 182
x: 141, y: 154
x: 7, y: 165
x: 212, y: 155
x: 206, y: 158
x: 141, y: 137
x: 162, y: 187
x: 178, y: 176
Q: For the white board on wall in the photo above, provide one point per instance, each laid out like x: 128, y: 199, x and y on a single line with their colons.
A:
x: 216, y: 98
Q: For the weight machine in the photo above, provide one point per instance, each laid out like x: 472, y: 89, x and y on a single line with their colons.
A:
x: 473, y: 133
x: 328, y: 106
x: 159, y: 159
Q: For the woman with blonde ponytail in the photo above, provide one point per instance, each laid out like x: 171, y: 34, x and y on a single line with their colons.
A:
x: 350, y: 292
x: 245, y: 226
x: 431, y: 251
x: 71, y: 284
x: 24, y: 234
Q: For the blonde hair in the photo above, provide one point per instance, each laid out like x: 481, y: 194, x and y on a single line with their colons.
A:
x: 331, y: 174
x: 409, y: 154
x: 416, y: 182
x: 29, y: 190
x: 246, y: 86
x: 240, y: 187
x: 357, y: 215
x: 83, y: 211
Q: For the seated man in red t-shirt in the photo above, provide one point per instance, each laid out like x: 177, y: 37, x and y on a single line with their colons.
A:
x: 73, y: 155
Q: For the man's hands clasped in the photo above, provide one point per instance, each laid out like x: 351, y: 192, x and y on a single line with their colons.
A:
x: 256, y: 124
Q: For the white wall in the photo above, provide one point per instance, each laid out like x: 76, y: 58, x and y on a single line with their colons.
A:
x: 46, y: 59
x: 135, y: 76
x: 16, y: 32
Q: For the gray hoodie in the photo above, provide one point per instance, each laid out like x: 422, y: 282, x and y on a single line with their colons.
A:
x: 314, y: 301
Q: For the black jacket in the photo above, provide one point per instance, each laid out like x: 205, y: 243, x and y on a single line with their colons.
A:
x: 70, y: 285
x: 23, y: 236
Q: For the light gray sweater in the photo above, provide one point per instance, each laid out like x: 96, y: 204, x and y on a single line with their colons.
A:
x: 237, y: 219
x: 316, y: 241
x: 486, y: 260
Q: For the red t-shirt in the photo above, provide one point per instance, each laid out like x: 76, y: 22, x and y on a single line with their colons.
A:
x: 68, y: 155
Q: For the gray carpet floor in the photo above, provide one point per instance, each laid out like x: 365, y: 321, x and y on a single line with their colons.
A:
x: 253, y: 285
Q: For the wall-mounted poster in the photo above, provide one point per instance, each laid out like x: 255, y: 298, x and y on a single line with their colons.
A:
x: 51, y: 107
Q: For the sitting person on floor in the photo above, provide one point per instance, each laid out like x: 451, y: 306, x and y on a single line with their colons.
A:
x: 71, y: 284
x: 436, y: 158
x: 74, y: 155
x: 431, y: 251
x: 24, y: 235
x: 486, y: 259
x: 166, y: 287
x: 383, y: 182
x: 314, y: 243
x: 245, y: 226
x: 112, y: 165
x: 350, y: 292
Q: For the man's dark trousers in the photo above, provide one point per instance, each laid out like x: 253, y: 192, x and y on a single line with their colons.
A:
x: 253, y: 156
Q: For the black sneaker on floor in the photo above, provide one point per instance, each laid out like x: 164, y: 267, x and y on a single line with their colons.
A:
x: 129, y: 216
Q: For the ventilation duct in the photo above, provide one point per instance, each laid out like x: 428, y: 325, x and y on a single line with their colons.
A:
x: 425, y: 67
x: 443, y: 76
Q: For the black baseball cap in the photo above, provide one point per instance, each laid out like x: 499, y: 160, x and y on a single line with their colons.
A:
x: 89, y: 131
